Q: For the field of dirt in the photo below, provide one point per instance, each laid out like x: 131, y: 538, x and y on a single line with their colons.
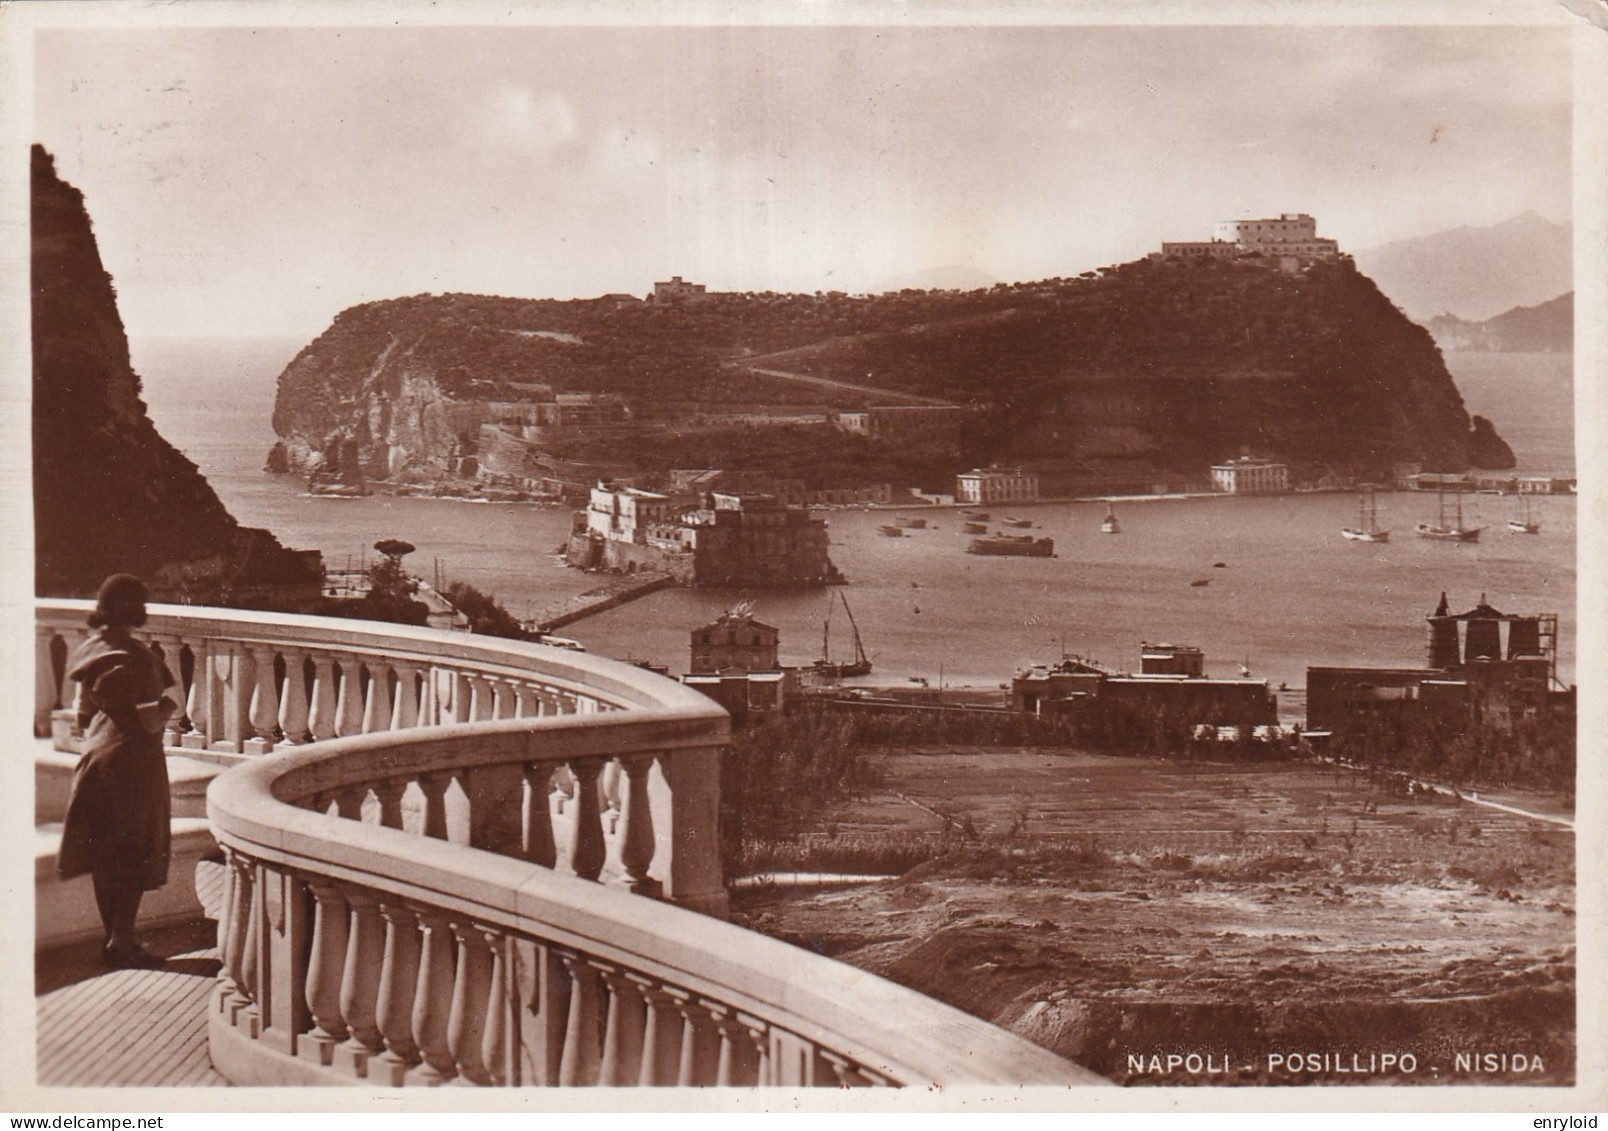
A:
x: 1175, y: 923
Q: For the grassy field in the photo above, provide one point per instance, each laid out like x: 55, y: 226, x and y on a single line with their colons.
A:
x: 1124, y: 911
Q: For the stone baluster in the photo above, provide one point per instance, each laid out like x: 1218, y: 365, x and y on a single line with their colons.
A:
x: 625, y: 1032
x: 434, y: 787
x: 741, y: 1041
x: 262, y: 713
x: 349, y: 702
x: 661, y: 1038
x: 494, y: 1050
x: 293, y: 708
x: 377, y: 710
x: 196, y: 700
x: 349, y: 802
x: 526, y: 705
x: 472, y: 1005
x: 389, y: 795
x: 638, y: 845
x: 847, y: 1074
x: 546, y: 702
x: 583, y: 1033
x: 251, y: 957
x: 226, y: 964
x: 505, y: 698
x: 429, y: 697
x: 700, y: 1045
x: 46, y: 691
x: 321, y: 713
x: 326, y: 969
x: 432, y: 999
x: 360, y: 984
x: 538, y: 846
x: 587, y: 851
x: 240, y: 942
x: 399, y: 977
x: 405, y: 705
x: 480, y: 703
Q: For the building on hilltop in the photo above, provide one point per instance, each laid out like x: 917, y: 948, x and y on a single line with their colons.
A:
x: 1289, y: 239
x: 1248, y: 475
x: 996, y: 485
x: 678, y: 289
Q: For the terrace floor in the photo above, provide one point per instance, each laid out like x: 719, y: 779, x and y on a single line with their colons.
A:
x: 134, y: 1028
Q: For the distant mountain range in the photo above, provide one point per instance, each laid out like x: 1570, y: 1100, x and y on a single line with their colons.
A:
x: 1475, y: 273
x: 1546, y: 328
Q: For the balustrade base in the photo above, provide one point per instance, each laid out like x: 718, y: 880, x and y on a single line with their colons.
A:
x: 248, y: 1063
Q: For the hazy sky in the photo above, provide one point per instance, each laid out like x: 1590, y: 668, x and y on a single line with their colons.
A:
x: 258, y: 181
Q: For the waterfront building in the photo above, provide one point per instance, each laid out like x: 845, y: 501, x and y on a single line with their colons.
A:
x: 996, y: 485
x: 1248, y: 475
x: 735, y: 642
x: 1171, y: 683
x: 756, y: 540
x: 1483, y: 667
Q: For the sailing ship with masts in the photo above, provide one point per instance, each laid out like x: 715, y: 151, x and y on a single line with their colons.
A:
x: 1454, y: 531
x: 1525, y: 521
x: 1367, y: 528
x: 828, y: 667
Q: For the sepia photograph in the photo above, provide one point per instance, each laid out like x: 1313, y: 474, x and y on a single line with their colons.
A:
x: 1028, y: 550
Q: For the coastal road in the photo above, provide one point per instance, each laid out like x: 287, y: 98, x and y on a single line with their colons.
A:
x: 844, y: 386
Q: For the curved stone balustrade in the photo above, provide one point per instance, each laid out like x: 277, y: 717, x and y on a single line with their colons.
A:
x: 354, y: 951
x: 437, y: 877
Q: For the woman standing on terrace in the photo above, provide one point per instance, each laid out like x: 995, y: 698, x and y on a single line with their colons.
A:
x: 118, y: 819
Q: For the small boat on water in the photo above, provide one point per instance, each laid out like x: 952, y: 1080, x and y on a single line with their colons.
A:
x: 913, y: 522
x: 1200, y: 583
x: 980, y: 516
x: 1014, y: 545
x: 1525, y: 521
x: 892, y: 531
x: 1019, y: 523
x: 1367, y: 528
x: 835, y: 669
x: 1109, y: 524
x: 1442, y: 531
x: 974, y: 528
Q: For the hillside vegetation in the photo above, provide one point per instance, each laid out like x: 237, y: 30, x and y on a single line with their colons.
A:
x: 1149, y: 365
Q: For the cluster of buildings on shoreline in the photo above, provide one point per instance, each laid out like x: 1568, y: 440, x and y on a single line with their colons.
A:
x: 1485, y: 671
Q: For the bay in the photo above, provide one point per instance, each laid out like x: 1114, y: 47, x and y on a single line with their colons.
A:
x: 1290, y: 592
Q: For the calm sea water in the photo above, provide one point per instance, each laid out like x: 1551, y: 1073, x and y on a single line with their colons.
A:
x: 1290, y: 591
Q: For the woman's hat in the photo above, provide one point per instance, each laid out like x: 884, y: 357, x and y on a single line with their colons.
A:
x: 121, y: 600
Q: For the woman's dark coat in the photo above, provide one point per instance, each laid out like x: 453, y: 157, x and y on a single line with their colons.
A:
x: 118, y: 819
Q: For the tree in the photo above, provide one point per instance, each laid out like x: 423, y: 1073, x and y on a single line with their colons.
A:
x: 390, y: 595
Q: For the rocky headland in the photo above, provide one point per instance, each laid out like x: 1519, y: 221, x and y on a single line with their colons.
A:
x: 1151, y: 368
x: 110, y: 494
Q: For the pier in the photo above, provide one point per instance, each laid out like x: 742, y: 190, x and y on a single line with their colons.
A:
x: 595, y: 601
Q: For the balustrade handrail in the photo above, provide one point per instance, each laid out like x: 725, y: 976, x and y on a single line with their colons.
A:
x: 624, y: 685
x: 482, y: 933
x: 905, y: 1036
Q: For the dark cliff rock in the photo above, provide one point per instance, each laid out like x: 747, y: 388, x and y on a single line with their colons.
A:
x: 1545, y: 328
x: 110, y: 494
x: 1151, y: 365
